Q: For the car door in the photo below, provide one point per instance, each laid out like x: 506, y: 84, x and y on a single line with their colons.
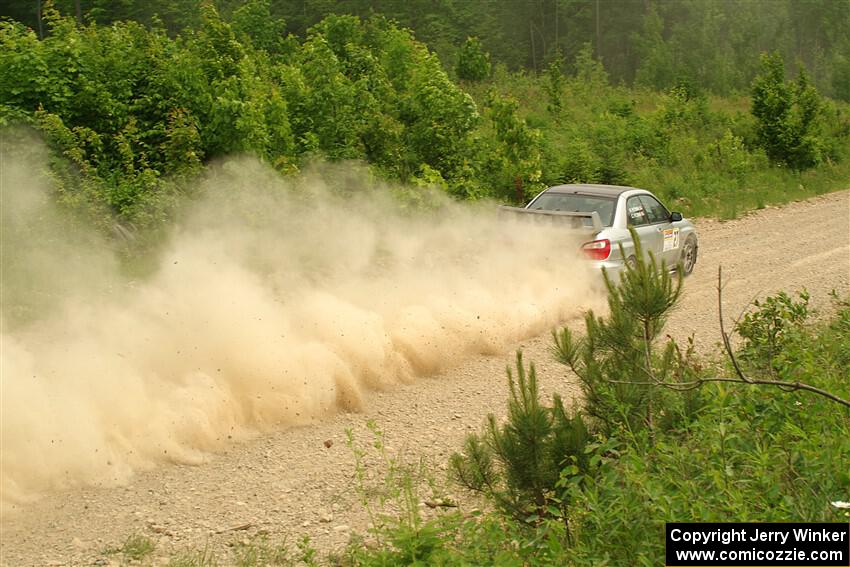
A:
x: 648, y: 234
x: 659, y: 217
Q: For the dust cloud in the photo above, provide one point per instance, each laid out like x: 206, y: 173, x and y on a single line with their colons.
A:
x: 274, y: 302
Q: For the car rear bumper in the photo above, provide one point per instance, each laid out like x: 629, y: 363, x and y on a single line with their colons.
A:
x: 612, y: 267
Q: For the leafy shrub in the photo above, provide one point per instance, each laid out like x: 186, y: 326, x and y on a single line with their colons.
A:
x: 254, y: 21
x: 769, y: 328
x: 681, y: 107
x: 473, y: 63
x: 730, y: 155
x: 512, y: 155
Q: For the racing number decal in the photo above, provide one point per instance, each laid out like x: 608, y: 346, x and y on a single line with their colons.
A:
x: 671, y: 239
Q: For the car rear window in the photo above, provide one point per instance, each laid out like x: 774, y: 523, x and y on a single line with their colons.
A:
x: 571, y: 202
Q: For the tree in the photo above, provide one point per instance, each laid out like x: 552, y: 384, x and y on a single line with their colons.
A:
x: 473, y: 63
x: 255, y: 21
x: 591, y: 76
x: 657, y: 67
x: 515, y: 155
x: 619, y: 354
x: 554, y: 85
x: 787, y: 115
x: 521, y: 464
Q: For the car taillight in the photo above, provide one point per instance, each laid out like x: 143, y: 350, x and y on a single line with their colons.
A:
x: 597, y: 250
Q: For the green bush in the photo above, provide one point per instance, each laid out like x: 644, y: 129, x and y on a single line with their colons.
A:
x: 769, y: 329
x: 473, y: 63
x: 787, y: 115
x: 511, y: 152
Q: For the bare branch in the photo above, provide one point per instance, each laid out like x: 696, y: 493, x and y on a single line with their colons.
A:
x: 787, y: 386
x: 726, y: 343
x: 746, y: 307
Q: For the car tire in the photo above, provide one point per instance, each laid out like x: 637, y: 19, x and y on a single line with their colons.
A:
x: 688, y: 259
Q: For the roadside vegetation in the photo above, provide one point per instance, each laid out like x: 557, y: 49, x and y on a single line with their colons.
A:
x: 133, y: 110
x: 661, y: 435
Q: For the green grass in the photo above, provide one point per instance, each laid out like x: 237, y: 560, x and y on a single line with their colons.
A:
x: 195, y: 558
x: 135, y: 548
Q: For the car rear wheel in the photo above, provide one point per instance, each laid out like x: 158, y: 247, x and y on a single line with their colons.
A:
x: 688, y: 258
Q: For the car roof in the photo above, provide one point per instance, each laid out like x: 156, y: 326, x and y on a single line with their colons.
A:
x: 591, y: 189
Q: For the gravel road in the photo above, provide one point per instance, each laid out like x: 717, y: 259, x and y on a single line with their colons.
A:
x: 290, y: 483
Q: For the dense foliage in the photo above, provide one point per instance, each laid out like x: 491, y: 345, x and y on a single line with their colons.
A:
x: 653, y: 43
x: 787, y: 116
x: 473, y: 63
x: 128, y: 105
x: 134, y: 110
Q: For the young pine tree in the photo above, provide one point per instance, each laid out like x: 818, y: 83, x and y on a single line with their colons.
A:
x: 518, y: 464
x: 620, y: 367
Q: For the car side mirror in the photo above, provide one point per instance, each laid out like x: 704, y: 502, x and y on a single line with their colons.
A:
x: 675, y: 217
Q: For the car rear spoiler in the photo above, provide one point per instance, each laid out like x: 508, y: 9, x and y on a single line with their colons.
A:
x: 570, y: 218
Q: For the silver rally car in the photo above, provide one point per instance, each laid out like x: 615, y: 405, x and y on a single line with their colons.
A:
x: 606, y: 212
